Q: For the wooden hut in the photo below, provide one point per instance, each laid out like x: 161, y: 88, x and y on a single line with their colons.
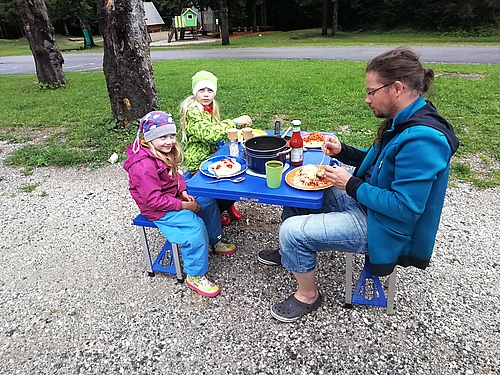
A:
x: 154, y: 22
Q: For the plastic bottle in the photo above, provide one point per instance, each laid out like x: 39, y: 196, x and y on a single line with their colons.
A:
x: 277, y: 128
x: 234, y: 149
x: 297, y: 144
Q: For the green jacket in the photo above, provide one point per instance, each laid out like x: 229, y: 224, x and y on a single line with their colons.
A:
x: 203, y: 133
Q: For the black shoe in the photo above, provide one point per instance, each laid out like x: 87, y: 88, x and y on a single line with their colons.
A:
x: 292, y: 309
x: 269, y: 257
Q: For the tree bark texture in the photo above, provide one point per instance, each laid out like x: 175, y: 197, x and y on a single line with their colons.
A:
x: 127, y: 60
x: 324, y: 25
x: 335, y: 22
x: 224, y: 22
x: 263, y: 12
x: 254, y: 16
x: 42, y: 40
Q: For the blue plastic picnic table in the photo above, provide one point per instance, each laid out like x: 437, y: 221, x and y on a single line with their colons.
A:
x: 254, y: 189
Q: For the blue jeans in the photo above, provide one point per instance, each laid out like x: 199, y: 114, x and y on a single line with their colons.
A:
x: 339, y: 225
x: 194, y: 233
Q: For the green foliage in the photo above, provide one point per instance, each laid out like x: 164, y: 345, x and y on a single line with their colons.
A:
x: 50, y: 86
x: 29, y: 188
x: 28, y: 171
x: 480, y: 178
x: 436, y: 15
x: 13, y: 138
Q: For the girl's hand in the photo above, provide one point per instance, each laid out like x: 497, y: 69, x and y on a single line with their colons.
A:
x: 331, y: 145
x: 186, y: 197
x: 243, y: 120
x: 337, y: 176
x: 191, y: 206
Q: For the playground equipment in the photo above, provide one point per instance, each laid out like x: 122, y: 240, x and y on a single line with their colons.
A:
x: 187, y: 21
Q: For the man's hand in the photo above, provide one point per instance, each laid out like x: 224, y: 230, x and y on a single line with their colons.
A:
x: 331, y: 145
x: 337, y: 176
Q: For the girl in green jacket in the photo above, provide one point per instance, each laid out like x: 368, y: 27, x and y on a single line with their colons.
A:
x: 203, y: 130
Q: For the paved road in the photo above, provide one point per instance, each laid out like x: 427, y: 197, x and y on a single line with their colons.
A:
x: 93, y: 61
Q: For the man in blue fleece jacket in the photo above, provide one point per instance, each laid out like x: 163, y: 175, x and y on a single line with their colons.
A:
x: 391, y: 205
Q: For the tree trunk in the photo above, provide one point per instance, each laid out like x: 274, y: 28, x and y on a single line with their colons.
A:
x: 127, y: 59
x: 324, y: 25
x: 224, y: 22
x: 263, y: 12
x: 41, y: 37
x: 65, y: 28
x: 254, y: 16
x: 335, y: 23
x: 88, y: 40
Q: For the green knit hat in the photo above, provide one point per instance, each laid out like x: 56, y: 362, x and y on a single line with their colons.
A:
x: 204, y: 79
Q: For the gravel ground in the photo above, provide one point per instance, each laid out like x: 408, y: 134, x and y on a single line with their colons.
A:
x: 75, y: 297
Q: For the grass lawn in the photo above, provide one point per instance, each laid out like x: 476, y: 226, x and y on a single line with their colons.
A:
x: 297, y: 38
x: 313, y: 38
x: 73, y: 126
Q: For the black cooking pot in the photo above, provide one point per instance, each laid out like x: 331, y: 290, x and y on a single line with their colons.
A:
x: 261, y: 149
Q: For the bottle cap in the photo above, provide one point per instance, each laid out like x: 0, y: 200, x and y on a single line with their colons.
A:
x: 232, y: 134
x: 296, y: 122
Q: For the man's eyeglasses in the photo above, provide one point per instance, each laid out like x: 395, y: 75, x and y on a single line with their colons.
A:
x: 370, y: 93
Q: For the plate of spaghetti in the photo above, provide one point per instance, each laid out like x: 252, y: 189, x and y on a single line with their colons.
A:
x: 313, y: 140
x: 223, y: 166
x: 308, y: 177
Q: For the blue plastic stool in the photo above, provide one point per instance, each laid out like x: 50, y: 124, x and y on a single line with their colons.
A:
x: 361, y: 296
x: 365, y: 295
x: 167, y: 261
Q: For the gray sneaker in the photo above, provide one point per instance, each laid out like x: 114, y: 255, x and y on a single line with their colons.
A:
x: 269, y: 257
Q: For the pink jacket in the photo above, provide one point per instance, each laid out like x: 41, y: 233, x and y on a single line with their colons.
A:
x: 153, y: 189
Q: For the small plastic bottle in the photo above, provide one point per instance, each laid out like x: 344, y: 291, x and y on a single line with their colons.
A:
x: 234, y: 149
x: 297, y: 144
x: 277, y: 128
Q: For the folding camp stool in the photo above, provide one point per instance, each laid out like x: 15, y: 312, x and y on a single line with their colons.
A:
x: 365, y: 294
x: 167, y: 261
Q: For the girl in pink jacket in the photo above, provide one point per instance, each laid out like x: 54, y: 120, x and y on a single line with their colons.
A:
x: 160, y: 193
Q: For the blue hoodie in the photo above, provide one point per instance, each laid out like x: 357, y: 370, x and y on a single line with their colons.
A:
x: 405, y: 193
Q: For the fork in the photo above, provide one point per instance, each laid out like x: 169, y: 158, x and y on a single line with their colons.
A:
x: 322, y: 159
x: 319, y: 172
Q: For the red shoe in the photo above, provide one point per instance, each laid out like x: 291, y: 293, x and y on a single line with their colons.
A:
x: 234, y: 213
x: 224, y: 220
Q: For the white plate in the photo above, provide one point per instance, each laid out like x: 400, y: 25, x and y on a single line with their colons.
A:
x: 208, y: 167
